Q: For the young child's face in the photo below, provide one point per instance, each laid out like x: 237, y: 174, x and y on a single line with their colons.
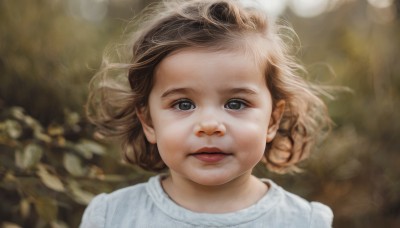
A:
x: 210, y: 115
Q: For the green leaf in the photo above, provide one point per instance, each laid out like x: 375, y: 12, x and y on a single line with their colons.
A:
x: 29, y: 157
x: 46, y: 208
x: 73, y: 164
x: 50, y: 180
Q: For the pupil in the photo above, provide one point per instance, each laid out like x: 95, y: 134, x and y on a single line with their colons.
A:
x: 234, y: 105
x: 185, y: 106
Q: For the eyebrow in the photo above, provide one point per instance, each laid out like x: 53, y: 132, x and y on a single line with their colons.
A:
x: 243, y: 90
x: 173, y: 91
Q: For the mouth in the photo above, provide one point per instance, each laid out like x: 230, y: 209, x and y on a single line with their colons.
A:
x: 210, y: 154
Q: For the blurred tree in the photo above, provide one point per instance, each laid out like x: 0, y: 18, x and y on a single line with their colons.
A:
x: 357, y: 164
x: 48, y: 50
x: 45, y: 57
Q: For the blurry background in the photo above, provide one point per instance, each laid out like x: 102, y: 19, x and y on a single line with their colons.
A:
x: 50, y: 165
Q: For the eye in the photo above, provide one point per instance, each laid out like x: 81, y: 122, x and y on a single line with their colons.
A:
x: 235, y: 104
x: 184, y: 105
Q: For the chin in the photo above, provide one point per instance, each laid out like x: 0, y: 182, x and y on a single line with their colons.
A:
x: 212, y: 180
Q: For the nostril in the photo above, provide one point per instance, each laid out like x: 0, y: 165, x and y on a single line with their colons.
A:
x: 210, y: 128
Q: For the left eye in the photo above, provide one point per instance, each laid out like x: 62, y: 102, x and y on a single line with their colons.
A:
x: 235, y: 104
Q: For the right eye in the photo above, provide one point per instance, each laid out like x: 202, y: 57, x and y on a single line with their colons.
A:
x: 184, y: 105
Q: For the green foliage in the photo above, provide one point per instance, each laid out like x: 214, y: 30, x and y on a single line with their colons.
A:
x: 48, y: 175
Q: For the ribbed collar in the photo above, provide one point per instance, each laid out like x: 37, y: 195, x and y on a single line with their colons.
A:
x: 176, y: 212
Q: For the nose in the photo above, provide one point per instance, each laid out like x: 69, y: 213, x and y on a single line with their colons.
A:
x: 209, y: 128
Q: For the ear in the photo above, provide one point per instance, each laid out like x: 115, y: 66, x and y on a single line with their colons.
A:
x: 147, y: 126
x: 276, y: 117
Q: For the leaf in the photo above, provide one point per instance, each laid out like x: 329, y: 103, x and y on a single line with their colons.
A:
x: 80, y: 196
x: 95, y: 172
x: 32, y: 123
x: 58, y: 224
x: 50, y: 180
x: 46, y: 208
x: 87, y: 148
x: 55, y: 130
x: 25, y: 208
x: 10, y: 225
x: 13, y: 128
x: 37, y: 129
x: 41, y: 136
x: 61, y: 141
x: 9, y: 176
x: 29, y: 157
x: 72, y: 118
x: 73, y: 164
x: 17, y: 112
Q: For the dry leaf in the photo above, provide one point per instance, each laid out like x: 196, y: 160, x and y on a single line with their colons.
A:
x: 80, y: 195
x: 29, y: 157
x: 50, y: 180
x: 58, y: 224
x: 10, y: 225
x: 88, y: 148
x: 46, y: 208
x: 25, y: 208
x: 55, y: 130
x: 73, y: 164
x: 14, y: 129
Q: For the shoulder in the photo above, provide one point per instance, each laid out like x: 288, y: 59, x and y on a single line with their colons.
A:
x: 296, y: 210
x: 104, y: 207
x: 94, y: 215
x: 321, y: 215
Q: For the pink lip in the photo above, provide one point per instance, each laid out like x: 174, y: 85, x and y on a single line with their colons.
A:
x: 210, y: 154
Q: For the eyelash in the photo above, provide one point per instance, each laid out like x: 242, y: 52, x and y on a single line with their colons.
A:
x: 177, y: 104
x: 243, y: 104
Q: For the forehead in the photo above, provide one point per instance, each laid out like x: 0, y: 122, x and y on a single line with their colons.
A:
x: 204, y: 68
x: 187, y: 58
x: 252, y: 48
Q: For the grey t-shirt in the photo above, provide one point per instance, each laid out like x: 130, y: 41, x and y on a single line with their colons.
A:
x: 147, y: 205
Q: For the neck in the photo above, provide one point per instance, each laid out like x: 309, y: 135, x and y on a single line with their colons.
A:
x: 235, y: 195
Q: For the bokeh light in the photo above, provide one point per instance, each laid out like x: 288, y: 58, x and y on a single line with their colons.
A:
x: 272, y: 7
x: 309, y: 8
x: 381, y: 3
x: 380, y: 14
x: 91, y: 10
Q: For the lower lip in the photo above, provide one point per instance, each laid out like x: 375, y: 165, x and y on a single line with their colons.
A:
x: 210, y: 158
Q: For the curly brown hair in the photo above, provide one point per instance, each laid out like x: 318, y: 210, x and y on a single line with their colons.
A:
x: 122, y: 88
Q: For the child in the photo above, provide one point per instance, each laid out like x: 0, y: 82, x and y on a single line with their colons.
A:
x: 212, y: 92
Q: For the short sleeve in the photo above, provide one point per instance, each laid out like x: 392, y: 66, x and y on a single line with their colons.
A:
x: 95, y: 213
x: 321, y: 215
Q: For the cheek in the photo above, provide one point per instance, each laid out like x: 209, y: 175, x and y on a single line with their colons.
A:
x: 170, y: 139
x: 252, y: 141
